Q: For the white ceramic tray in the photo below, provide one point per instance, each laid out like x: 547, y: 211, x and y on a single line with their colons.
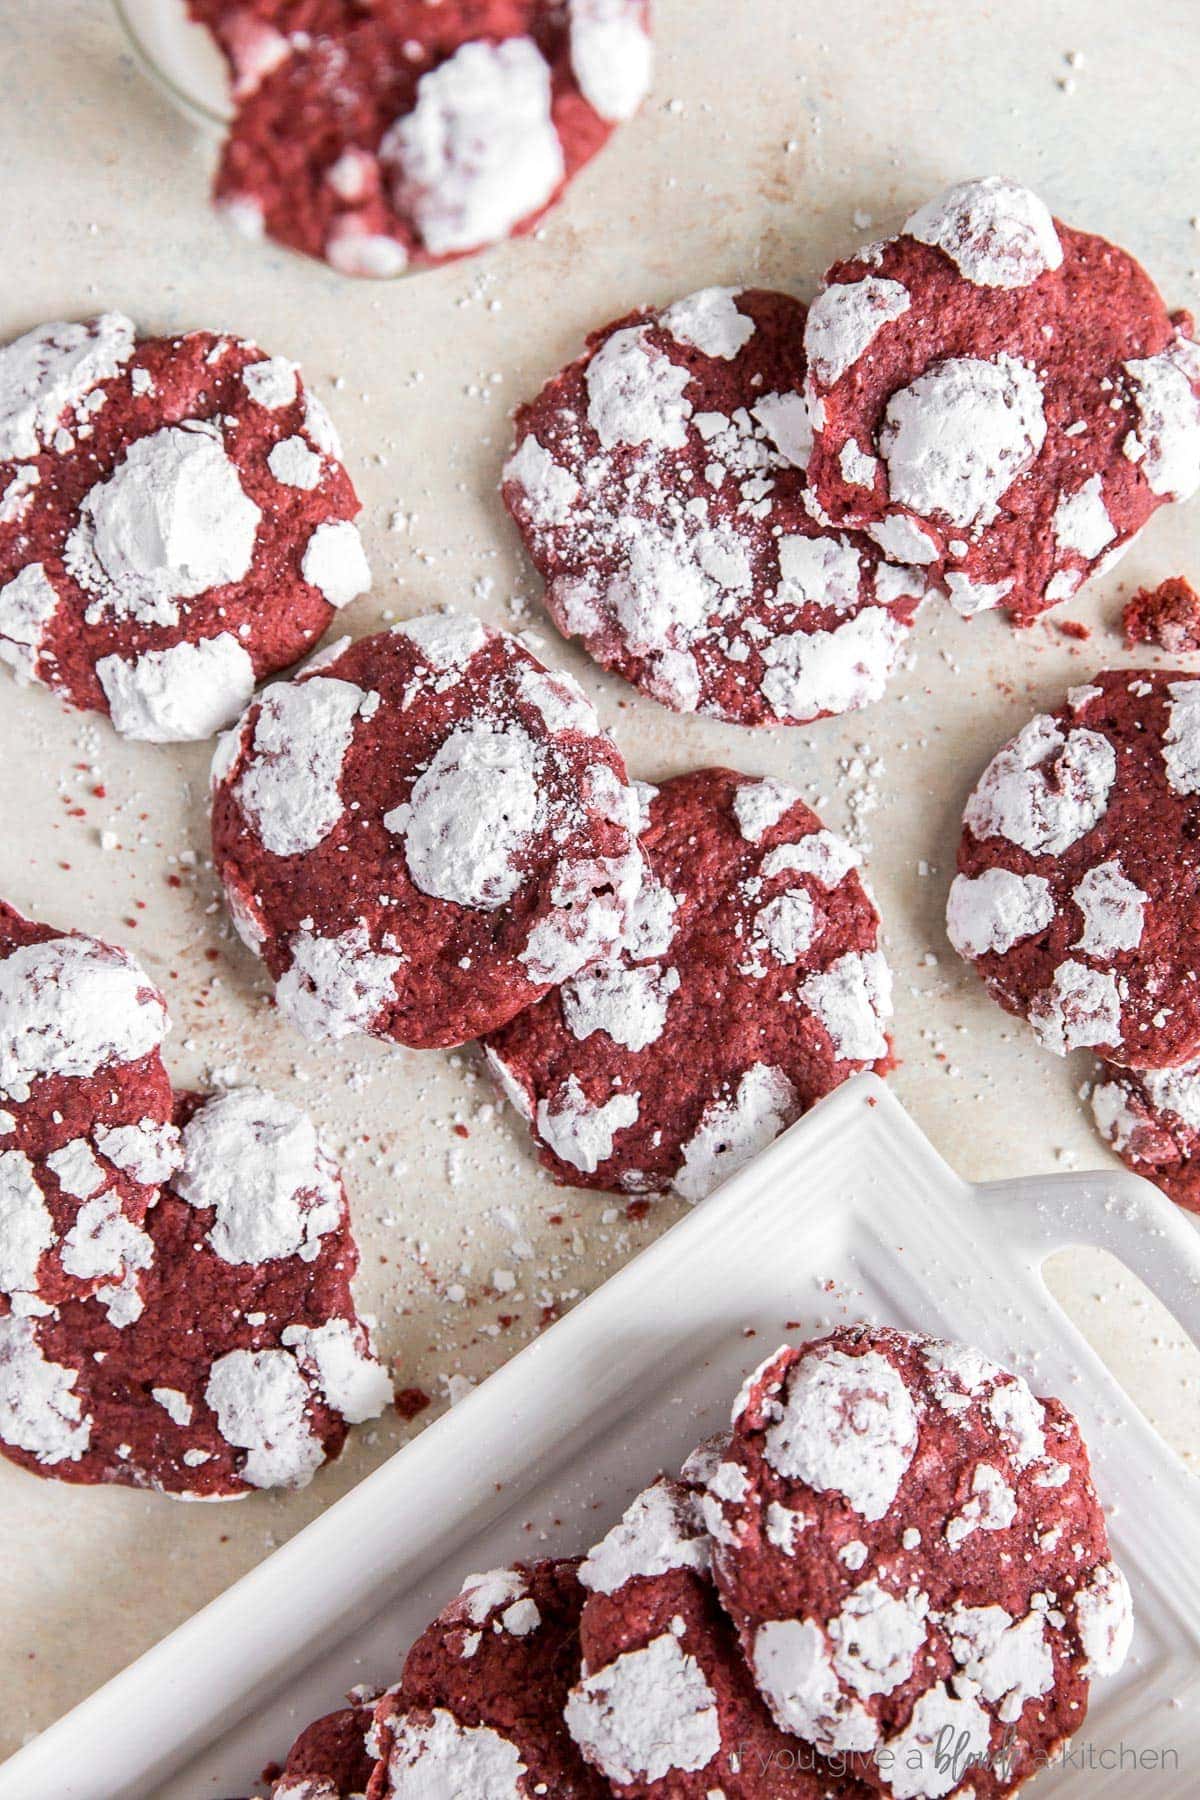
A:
x: 850, y: 1214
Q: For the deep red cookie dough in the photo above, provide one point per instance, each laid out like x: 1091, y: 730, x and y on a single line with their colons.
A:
x: 1078, y: 893
x: 234, y: 1359
x: 410, y: 132
x: 480, y: 1707
x: 910, y: 1543
x: 85, y: 1114
x: 1151, y: 1117
x: 749, y: 984
x: 658, y: 483
x: 423, y: 832
x: 1167, y: 615
x: 175, y: 522
x: 330, y: 1760
x: 666, y: 1705
x: 999, y: 397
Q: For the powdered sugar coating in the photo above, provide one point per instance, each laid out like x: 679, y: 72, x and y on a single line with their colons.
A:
x: 1045, y: 790
x: 424, y: 830
x: 1151, y: 1118
x: 843, y: 321
x: 648, y: 1713
x: 72, y: 1006
x: 998, y: 233
x: 748, y: 984
x: 996, y: 910
x: 658, y: 483
x: 611, y: 55
x: 152, y: 566
x: 956, y: 438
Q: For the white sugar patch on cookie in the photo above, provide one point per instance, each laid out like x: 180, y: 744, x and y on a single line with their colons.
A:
x: 844, y: 320
x: 958, y: 436
x: 919, y: 1768
x: 876, y: 1638
x: 260, y: 1400
x: 104, y: 1244
x: 1044, y: 791
x: 987, y: 914
x: 335, y: 986
x: 1080, y: 1008
x: 26, y: 1227
x: 39, y: 1412
x: 272, y: 383
x: 149, y: 1151
x: 72, y: 1006
x: 1103, y: 1609
x: 647, y: 1713
x: 171, y: 522
x: 852, y: 998
x: 821, y: 854
x: 290, y: 790
x: 732, y: 1131
x: 178, y: 695
x: 810, y: 673
x: 628, y: 1003
x: 349, y: 1377
x: 996, y: 232
x: 434, y: 1754
x: 335, y: 562
x: 1166, y: 393
x: 1113, y: 908
x: 579, y: 1132
x: 612, y: 56
x: 52, y: 371
x: 812, y: 1442
x: 27, y: 604
x: 711, y: 322
x: 1081, y: 522
x: 636, y: 394
x: 785, y: 419
x: 970, y: 598
x: 660, y: 1530
x: 1181, y: 742
x: 991, y: 1506
x: 479, y: 152
x: 1009, y: 1659
x: 758, y: 805
x: 448, y: 641
x: 794, y: 1673
x: 550, y: 490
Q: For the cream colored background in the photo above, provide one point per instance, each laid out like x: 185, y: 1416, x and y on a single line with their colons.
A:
x: 779, y: 133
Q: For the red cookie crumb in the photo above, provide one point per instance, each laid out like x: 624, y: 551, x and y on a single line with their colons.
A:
x: 1079, y: 868
x: 658, y: 483
x: 999, y: 397
x: 910, y: 1545
x: 232, y: 1358
x: 423, y: 832
x: 749, y: 984
x: 413, y: 132
x: 85, y: 1115
x: 175, y: 522
x: 1168, y: 615
x: 1151, y: 1117
x: 330, y: 1759
x: 480, y: 1706
x: 666, y: 1706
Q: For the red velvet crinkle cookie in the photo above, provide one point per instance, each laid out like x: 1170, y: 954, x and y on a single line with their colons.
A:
x: 659, y: 485
x: 330, y: 1759
x: 391, y: 134
x: 175, y: 522
x: 479, y: 1711
x: 749, y: 984
x: 85, y: 1114
x: 666, y: 1706
x: 422, y: 832
x: 233, y: 1357
x: 1151, y: 1117
x: 1078, y: 893
x: 999, y: 397
x: 913, y: 1552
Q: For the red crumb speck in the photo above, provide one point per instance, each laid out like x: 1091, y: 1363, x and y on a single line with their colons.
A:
x: 410, y: 1401
x: 174, y: 881
x: 461, y: 1131
x: 637, y: 1209
x: 554, y: 1219
x: 1168, y: 615
x: 1074, y: 628
x: 100, y: 792
x: 212, y: 955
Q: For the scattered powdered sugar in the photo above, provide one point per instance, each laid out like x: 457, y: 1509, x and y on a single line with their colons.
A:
x: 844, y: 320
x: 919, y: 1768
x: 989, y: 913
x: 1181, y: 742
x: 479, y: 152
x: 732, y: 1131
x: 471, y: 814
x: 1113, y: 909
x: 182, y: 694
x: 39, y: 1413
x: 851, y: 998
x: 172, y: 521
x: 957, y: 437
x: 1081, y: 1007
x: 256, y: 1162
x: 847, y: 1425
x: 261, y: 1400
x: 660, y: 1530
x: 611, y: 55
x: 1166, y: 393
x: 876, y: 1637
x: 73, y: 1006
x: 997, y: 233
x: 781, y: 931
x: 434, y: 1754
x: 797, y: 1679
x: 335, y: 562
x: 647, y: 1713
x: 336, y: 986
x: 711, y: 322
x: 1044, y: 791
x: 290, y: 790
x: 51, y: 371
x: 579, y: 1132
x: 758, y: 805
x: 1081, y: 522
x: 1019, y: 1417
x: 636, y: 394
x: 1103, y: 1610
x: 350, y: 1379
x: 628, y: 1003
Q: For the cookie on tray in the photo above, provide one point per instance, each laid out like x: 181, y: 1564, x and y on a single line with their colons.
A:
x: 999, y: 397
x: 913, y: 1552
x: 330, y: 1760
x: 408, y: 133
x: 232, y: 1358
x: 1079, y: 870
x: 85, y: 1114
x: 749, y: 984
x: 658, y: 483
x: 423, y: 832
x: 175, y: 522
x: 1151, y: 1118
x: 479, y: 1710
x: 666, y: 1706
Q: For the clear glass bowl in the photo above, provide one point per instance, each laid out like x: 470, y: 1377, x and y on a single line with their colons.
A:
x: 181, y: 57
